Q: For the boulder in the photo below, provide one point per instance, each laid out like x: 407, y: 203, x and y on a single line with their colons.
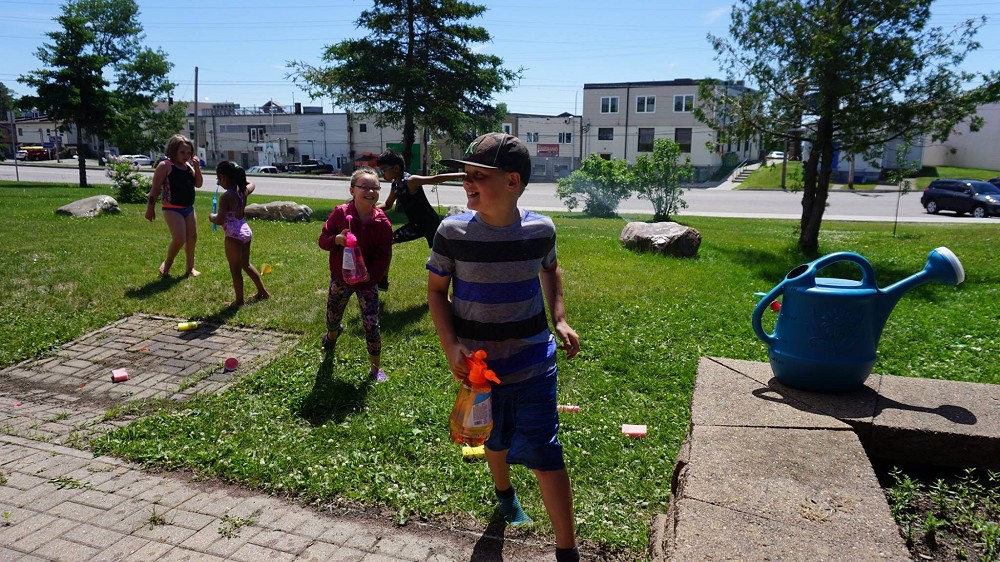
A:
x: 667, y: 238
x: 90, y: 206
x: 287, y: 211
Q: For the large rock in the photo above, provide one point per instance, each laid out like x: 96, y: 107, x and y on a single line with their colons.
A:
x: 667, y: 238
x: 90, y: 206
x: 287, y: 211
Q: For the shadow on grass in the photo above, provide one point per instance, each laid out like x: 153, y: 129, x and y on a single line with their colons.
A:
x: 161, y: 284
x: 332, y: 399
x: 397, y: 319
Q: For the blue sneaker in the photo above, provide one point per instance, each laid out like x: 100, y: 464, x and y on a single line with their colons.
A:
x: 510, y: 509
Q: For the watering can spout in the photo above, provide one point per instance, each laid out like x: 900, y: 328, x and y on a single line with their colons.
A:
x: 942, y: 266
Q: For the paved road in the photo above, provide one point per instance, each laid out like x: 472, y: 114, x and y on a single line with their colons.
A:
x: 718, y: 201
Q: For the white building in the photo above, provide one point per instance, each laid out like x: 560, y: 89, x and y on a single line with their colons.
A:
x: 967, y: 149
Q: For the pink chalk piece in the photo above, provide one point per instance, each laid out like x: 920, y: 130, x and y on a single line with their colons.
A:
x: 633, y: 430
x: 16, y: 404
x: 231, y: 364
x: 119, y: 375
x: 568, y: 408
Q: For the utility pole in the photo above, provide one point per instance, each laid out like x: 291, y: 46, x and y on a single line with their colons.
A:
x: 195, y: 130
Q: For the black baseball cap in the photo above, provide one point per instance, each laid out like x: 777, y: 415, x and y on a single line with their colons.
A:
x: 496, y: 151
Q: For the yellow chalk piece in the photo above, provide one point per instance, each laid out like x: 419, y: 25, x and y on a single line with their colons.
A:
x: 473, y: 453
x: 265, y: 269
x: 186, y: 326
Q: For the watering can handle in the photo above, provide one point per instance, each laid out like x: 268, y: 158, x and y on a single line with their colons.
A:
x: 810, y: 269
x: 867, y: 271
x: 758, y: 312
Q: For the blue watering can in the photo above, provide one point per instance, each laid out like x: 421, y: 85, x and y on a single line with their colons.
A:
x: 828, y: 329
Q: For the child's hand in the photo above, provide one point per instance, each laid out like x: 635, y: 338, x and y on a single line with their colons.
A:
x: 456, y: 361
x: 150, y: 213
x: 569, y: 339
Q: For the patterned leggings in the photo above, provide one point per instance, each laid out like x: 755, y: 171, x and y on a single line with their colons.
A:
x: 336, y: 302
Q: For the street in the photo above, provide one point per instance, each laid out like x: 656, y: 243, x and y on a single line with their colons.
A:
x: 843, y: 205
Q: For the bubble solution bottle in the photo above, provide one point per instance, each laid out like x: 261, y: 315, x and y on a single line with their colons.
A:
x: 353, y: 264
x: 472, y: 416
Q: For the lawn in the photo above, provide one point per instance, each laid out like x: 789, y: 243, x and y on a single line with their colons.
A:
x: 313, y: 428
x: 769, y: 176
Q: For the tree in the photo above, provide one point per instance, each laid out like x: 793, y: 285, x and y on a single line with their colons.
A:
x: 98, y: 38
x: 417, y: 67
x: 8, y: 101
x: 600, y: 183
x: 658, y: 177
x: 845, y: 76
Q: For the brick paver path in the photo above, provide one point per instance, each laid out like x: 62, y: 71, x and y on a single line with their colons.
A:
x: 63, y: 504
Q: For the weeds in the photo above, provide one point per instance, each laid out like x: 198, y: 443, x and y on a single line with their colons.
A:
x: 959, y: 509
x: 230, y: 527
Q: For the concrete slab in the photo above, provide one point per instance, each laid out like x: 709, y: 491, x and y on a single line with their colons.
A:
x: 953, y: 423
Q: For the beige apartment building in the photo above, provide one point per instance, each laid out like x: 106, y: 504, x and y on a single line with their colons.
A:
x: 621, y: 120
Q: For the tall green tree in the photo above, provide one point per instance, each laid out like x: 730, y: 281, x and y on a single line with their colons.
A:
x: 99, y: 43
x: 418, y: 66
x: 846, y: 76
x: 8, y: 100
x: 658, y: 178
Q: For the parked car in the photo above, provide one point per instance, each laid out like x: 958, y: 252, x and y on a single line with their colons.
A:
x: 994, y: 181
x: 262, y: 170
x: 21, y: 155
x: 980, y: 198
x: 137, y: 159
x: 775, y: 155
x: 33, y: 153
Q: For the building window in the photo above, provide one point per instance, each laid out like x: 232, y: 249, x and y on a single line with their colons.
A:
x: 605, y: 155
x: 362, y: 127
x: 682, y: 136
x: 530, y: 137
x: 609, y: 104
x: 605, y: 133
x: 565, y: 138
x: 645, y: 104
x: 508, y: 128
x: 646, y: 139
x: 256, y: 134
x: 684, y: 104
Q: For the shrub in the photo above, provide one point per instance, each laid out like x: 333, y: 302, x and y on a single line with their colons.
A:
x: 600, y: 184
x: 131, y: 185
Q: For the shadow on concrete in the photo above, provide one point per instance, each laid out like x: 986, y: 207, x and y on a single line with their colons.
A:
x: 332, y: 399
x: 861, y: 404
x: 489, y: 547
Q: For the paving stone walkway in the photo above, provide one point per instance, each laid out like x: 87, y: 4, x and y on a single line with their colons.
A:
x: 61, y: 503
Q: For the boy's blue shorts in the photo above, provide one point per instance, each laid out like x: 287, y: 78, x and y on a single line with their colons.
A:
x: 525, y: 423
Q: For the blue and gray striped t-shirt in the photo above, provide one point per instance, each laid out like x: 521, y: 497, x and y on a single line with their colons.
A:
x: 497, y: 300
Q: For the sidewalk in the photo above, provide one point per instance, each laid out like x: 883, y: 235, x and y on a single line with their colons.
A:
x: 60, y: 503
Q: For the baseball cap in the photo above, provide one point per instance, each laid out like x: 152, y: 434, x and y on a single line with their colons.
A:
x: 496, y: 151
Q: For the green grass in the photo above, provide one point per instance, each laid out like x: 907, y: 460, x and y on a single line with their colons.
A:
x: 313, y: 428
x: 769, y: 176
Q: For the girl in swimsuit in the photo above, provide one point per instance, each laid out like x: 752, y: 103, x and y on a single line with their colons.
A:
x: 231, y: 217
x: 174, y: 181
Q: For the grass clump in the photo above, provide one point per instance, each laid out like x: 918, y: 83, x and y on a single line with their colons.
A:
x: 310, y: 425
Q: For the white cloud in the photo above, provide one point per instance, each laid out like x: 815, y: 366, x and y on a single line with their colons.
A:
x: 718, y: 13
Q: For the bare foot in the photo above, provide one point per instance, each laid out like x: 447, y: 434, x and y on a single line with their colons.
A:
x: 193, y: 273
x: 262, y: 296
x: 164, y: 270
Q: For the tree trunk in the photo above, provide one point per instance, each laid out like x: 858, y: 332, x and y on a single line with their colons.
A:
x: 409, y: 128
x: 80, y: 160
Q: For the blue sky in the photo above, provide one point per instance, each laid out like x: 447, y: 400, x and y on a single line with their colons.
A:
x: 241, y: 46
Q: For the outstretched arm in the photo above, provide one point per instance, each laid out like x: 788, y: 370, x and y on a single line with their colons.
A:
x: 416, y: 181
